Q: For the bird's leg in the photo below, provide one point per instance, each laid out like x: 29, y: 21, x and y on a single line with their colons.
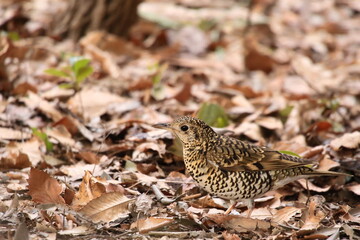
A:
x: 232, y: 206
x: 250, y: 205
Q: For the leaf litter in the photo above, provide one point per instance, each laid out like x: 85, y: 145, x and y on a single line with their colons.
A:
x: 78, y: 154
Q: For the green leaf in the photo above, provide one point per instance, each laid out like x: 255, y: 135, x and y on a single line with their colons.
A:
x: 83, y: 73
x: 57, y: 73
x: 290, y: 153
x: 76, y: 65
x: 213, y: 114
x: 66, y: 85
x: 43, y: 137
x: 80, y: 68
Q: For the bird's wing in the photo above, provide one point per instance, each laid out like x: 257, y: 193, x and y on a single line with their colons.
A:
x: 235, y: 155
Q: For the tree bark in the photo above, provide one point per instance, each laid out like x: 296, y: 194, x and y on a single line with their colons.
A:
x: 82, y: 16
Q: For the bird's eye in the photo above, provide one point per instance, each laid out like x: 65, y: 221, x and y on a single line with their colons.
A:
x: 184, y: 128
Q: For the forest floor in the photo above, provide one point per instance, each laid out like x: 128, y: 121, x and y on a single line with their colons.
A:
x: 80, y: 159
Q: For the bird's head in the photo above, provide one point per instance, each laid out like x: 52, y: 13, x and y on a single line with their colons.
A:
x: 189, y: 130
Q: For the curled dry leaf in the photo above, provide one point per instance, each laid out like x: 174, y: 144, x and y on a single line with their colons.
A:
x: 43, y: 188
x: 89, y: 189
x: 151, y: 223
x: 312, y: 221
x: 108, y: 207
x: 348, y: 140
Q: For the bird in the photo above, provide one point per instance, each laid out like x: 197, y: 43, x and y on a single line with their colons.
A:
x: 233, y: 169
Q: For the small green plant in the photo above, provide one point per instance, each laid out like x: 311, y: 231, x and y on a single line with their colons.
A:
x: 43, y: 137
x: 213, y: 114
x: 157, y: 91
x: 78, y: 70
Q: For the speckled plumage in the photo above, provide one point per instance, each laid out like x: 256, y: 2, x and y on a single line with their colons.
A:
x: 233, y: 169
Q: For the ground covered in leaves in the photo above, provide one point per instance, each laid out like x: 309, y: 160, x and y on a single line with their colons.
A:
x: 80, y: 159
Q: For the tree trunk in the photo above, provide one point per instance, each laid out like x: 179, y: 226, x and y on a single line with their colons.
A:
x: 82, y: 16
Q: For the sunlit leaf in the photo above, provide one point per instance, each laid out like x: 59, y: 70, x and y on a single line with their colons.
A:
x: 83, y: 73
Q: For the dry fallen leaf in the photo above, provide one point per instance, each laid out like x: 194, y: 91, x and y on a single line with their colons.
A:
x: 15, y: 161
x: 43, y: 188
x: 313, y: 187
x: 312, y: 221
x: 348, y: 140
x: 108, y: 207
x: 12, y: 134
x: 354, y: 188
x: 285, y: 214
x: 89, y: 189
x: 31, y: 148
x: 151, y: 223
x: 269, y: 123
x: 86, y: 103
x: 239, y: 223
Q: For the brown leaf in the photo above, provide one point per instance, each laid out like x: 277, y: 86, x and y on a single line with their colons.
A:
x: 43, y: 188
x: 89, y: 189
x: 348, y: 140
x: 185, y: 93
x: 285, y: 214
x: 68, y: 123
x: 313, y: 187
x: 269, y: 123
x: 61, y: 134
x: 35, y: 101
x: 354, y: 188
x: 108, y: 207
x: 238, y: 223
x: 151, y: 223
x: 23, y: 88
x: 89, y: 157
x: 230, y: 236
x: 91, y: 103
x: 16, y: 161
x: 31, y: 148
x: 326, y: 163
x: 313, y: 218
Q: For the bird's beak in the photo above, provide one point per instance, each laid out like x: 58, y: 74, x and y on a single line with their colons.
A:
x: 165, y: 126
